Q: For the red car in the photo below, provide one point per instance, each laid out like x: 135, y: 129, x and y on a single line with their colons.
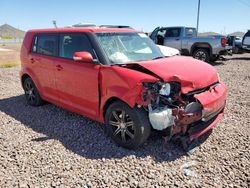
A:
x: 120, y: 78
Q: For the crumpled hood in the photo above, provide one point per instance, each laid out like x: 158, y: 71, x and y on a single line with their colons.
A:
x: 191, y: 73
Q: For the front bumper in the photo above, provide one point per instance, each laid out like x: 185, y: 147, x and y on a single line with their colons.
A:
x: 195, y: 118
x: 213, y: 102
x: 202, y: 127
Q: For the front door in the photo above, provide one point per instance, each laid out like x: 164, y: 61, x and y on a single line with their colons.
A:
x: 77, y: 82
x: 173, y: 38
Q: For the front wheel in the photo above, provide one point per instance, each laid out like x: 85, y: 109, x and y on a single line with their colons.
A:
x: 128, y: 127
x: 201, y: 54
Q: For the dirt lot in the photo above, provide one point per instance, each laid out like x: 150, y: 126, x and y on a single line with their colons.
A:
x: 50, y: 147
x: 10, y: 58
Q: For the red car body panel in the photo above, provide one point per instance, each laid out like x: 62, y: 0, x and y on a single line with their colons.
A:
x: 122, y: 83
x: 191, y: 73
x: 80, y: 92
x: 203, y: 131
x: 213, y: 99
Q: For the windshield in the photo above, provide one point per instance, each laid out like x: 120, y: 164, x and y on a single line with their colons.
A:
x: 122, y: 48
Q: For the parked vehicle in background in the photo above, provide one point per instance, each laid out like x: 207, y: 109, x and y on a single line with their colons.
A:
x: 120, y: 78
x: 185, y: 39
x: 167, y: 51
x: 116, y: 26
x: 236, y: 43
x: 246, y: 41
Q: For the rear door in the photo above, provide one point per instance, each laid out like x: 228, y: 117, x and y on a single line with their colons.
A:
x: 42, y: 61
x: 77, y: 82
x: 173, y: 38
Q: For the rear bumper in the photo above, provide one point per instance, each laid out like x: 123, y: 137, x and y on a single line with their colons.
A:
x: 246, y: 47
x: 225, y: 52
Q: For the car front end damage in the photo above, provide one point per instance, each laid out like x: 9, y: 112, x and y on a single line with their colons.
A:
x: 185, y: 115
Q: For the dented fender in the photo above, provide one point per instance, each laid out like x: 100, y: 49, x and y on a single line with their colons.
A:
x: 122, y: 83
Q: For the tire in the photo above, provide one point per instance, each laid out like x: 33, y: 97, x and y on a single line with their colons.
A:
x: 128, y: 127
x: 201, y: 54
x: 31, y: 93
x: 236, y: 50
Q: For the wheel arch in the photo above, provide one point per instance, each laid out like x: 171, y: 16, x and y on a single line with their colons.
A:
x: 23, y: 77
x: 110, y: 101
x: 202, y: 45
x: 27, y: 73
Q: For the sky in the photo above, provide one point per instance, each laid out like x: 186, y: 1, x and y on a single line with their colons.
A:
x: 222, y: 16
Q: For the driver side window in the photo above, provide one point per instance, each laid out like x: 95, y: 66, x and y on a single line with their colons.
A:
x: 74, y: 42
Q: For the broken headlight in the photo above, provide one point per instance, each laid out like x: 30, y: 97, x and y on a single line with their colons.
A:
x: 165, y: 89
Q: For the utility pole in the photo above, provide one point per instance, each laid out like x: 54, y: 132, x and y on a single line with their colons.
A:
x: 198, y: 16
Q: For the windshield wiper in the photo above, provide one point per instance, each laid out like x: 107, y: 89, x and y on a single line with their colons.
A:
x: 159, y: 57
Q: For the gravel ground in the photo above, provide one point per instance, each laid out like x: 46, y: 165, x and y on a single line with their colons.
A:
x: 50, y: 147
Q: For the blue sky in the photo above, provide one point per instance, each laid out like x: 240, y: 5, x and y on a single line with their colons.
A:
x: 223, y: 16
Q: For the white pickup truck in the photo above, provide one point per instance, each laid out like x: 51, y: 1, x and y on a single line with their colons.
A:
x: 186, y: 41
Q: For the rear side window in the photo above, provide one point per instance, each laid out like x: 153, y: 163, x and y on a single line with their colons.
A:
x: 173, y: 32
x: 190, y: 32
x: 74, y: 42
x: 46, y: 44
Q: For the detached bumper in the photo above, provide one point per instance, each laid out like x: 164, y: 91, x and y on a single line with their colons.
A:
x: 202, y: 127
x: 213, y: 102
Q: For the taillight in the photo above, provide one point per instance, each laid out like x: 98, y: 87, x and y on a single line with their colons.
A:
x: 223, y: 41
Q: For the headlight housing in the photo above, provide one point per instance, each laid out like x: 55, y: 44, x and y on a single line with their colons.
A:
x: 165, y: 89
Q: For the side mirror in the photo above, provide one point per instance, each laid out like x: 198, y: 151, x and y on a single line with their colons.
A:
x: 85, y: 57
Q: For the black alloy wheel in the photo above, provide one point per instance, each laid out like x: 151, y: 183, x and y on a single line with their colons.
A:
x: 128, y: 127
x: 201, y: 54
x: 31, y: 93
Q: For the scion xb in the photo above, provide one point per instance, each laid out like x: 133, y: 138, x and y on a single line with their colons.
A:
x: 120, y: 78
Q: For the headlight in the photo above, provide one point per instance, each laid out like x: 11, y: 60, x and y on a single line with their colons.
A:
x: 165, y: 89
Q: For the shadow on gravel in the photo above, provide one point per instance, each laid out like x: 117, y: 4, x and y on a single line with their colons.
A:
x: 217, y: 63
x: 81, y: 135
x: 240, y: 58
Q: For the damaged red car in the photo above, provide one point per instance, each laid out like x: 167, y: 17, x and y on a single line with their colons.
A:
x: 120, y: 78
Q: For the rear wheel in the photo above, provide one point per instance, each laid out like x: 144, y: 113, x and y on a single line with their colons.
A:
x: 128, y: 127
x: 201, y: 54
x: 236, y: 50
x: 31, y: 93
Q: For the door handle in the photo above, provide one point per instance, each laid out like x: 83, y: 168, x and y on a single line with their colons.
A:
x: 59, y: 67
x: 32, y: 60
x: 177, y: 39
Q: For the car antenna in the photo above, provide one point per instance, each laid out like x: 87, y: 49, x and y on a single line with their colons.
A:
x: 54, y: 23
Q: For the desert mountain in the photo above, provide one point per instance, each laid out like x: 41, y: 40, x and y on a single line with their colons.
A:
x: 7, y: 30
